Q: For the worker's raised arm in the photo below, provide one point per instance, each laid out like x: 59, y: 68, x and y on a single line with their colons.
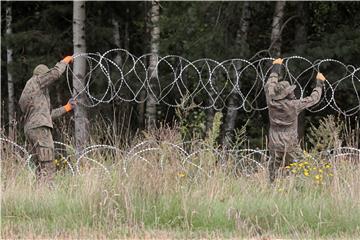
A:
x: 314, y: 97
x: 46, y: 79
x: 273, y: 78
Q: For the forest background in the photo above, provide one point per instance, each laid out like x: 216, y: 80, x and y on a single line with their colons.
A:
x: 42, y: 32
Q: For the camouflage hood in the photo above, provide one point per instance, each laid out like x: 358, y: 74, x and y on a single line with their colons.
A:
x: 283, y: 89
x: 40, y: 69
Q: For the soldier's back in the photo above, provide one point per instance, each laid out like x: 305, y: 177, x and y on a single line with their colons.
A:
x: 35, y: 105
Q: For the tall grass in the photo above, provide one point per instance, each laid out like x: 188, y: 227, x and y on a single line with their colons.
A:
x: 167, y: 198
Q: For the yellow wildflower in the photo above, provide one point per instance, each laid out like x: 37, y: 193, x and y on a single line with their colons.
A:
x: 181, y: 174
x: 318, y: 177
x: 306, y: 173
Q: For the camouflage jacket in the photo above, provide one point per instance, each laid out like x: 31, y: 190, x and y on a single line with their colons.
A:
x: 35, y: 100
x: 283, y: 114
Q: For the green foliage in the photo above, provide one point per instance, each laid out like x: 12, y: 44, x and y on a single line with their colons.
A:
x: 191, y: 122
x: 327, y: 135
x: 42, y: 33
x: 240, y: 137
x: 214, y: 133
x: 199, y: 30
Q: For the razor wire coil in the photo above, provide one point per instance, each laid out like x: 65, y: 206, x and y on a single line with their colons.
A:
x: 177, y: 82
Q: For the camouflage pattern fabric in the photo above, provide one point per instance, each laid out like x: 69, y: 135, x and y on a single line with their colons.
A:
x: 35, y: 100
x: 41, y: 146
x: 35, y: 105
x: 283, y: 114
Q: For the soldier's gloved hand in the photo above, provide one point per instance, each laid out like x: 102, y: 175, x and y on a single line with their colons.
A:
x: 277, y: 65
x: 68, y: 59
x: 320, y: 77
x: 320, y: 80
x: 278, y: 61
x: 71, y: 104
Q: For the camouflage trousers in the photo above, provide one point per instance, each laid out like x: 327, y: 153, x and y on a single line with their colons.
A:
x: 280, y: 159
x: 41, y: 146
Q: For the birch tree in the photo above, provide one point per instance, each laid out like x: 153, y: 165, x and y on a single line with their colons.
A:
x: 275, y: 46
x: 10, y: 81
x: 117, y: 39
x: 241, y: 44
x: 80, y: 115
x: 126, y: 31
x: 152, y: 71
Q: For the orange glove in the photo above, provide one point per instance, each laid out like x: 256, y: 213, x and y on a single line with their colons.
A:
x: 70, y: 105
x: 278, y: 61
x: 320, y: 77
x: 68, y: 59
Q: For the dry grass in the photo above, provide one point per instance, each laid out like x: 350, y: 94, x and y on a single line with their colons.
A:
x: 165, y: 197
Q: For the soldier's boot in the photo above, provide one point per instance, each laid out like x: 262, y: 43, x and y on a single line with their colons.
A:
x: 47, y: 171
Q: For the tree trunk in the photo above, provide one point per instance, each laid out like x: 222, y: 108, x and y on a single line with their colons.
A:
x: 210, y: 113
x: 152, y: 71
x: 275, y: 47
x: 123, y: 107
x: 300, y: 40
x: 142, y: 95
x: 117, y: 41
x: 126, y: 32
x: 241, y: 44
x: 301, y: 25
x: 9, y: 51
x: 80, y: 115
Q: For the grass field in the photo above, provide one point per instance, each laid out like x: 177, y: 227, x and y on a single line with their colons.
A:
x: 160, y: 196
x: 165, y: 201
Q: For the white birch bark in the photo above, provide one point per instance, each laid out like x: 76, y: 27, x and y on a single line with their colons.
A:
x: 10, y: 82
x: 126, y: 32
x: 152, y: 71
x: 117, y: 39
x: 79, y: 69
x: 275, y: 47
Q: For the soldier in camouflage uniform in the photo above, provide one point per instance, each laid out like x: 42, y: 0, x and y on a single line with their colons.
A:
x: 284, y: 109
x: 35, y: 105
